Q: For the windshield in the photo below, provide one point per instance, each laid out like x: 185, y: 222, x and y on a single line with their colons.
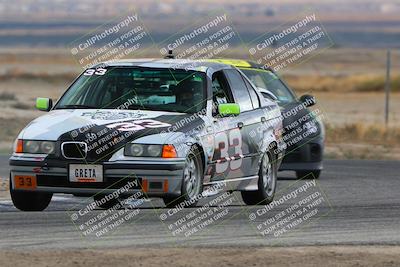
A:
x: 137, y: 88
x: 268, y: 80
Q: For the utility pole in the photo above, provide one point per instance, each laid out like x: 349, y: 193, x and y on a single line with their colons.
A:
x: 387, y: 88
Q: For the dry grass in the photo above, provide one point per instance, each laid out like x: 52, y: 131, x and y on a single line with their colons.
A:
x: 11, y: 127
x: 23, y: 106
x: 377, y: 84
x: 361, y: 151
x: 341, y: 83
x: 17, y: 73
x: 6, y: 96
x: 363, y: 133
x: 340, y: 108
x: 362, y: 141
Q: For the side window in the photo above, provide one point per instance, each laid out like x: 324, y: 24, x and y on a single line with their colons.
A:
x: 267, y: 96
x: 253, y: 95
x: 278, y: 88
x: 221, y: 91
x: 239, y: 90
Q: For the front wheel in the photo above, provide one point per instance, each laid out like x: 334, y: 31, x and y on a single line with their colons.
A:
x: 192, y: 182
x: 311, y: 174
x: 30, y: 201
x: 267, y: 177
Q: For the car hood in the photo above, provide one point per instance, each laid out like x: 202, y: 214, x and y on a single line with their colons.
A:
x: 103, y: 130
x: 58, y: 122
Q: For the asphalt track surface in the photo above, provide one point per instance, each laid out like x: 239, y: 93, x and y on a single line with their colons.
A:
x: 359, y: 204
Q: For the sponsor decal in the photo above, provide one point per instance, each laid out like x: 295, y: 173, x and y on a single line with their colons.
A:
x: 113, y: 115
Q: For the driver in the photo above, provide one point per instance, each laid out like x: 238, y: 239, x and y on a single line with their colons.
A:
x: 187, y: 93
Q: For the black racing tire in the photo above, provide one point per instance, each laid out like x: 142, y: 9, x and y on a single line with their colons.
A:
x: 107, y: 204
x: 267, y: 180
x: 192, y: 182
x: 310, y: 174
x: 30, y: 201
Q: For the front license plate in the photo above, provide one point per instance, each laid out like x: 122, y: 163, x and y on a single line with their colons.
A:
x: 85, y: 173
x: 25, y: 182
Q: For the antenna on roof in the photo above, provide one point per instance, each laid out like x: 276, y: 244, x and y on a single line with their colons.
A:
x: 170, y: 54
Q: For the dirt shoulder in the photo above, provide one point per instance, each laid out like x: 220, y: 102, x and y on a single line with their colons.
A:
x: 275, y: 256
x: 4, y: 191
x: 4, y: 194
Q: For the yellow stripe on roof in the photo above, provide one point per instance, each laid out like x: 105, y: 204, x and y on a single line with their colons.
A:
x: 255, y: 69
x: 234, y: 62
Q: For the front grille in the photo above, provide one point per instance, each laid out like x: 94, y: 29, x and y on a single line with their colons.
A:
x: 74, y: 150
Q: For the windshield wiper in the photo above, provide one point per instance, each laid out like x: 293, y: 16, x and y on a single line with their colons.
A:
x: 76, y: 106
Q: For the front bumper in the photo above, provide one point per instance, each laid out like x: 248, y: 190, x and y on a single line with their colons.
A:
x: 158, y: 177
x: 306, y: 156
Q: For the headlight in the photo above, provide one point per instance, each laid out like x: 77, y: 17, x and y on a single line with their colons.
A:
x: 31, y: 147
x: 36, y: 147
x: 154, y: 150
x: 47, y: 147
x: 310, y: 127
x: 134, y: 150
x: 141, y: 150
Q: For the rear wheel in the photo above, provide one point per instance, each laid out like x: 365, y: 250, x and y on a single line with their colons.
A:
x: 267, y: 177
x: 30, y: 201
x: 192, y: 182
x: 311, y: 174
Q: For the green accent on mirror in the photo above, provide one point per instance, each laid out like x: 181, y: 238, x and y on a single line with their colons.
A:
x: 228, y: 109
x: 42, y: 103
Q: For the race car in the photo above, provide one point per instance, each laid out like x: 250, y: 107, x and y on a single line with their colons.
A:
x: 304, y: 133
x: 176, y: 129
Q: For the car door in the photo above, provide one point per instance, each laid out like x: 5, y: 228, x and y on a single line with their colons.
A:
x: 249, y: 121
x: 227, y: 156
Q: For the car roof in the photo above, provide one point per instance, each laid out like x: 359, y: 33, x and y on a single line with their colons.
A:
x: 240, y: 63
x: 187, y: 64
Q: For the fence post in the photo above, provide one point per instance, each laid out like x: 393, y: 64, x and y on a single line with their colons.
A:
x: 387, y: 87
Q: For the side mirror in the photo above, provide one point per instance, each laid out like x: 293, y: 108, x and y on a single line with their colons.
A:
x: 44, y: 104
x: 228, y: 109
x: 308, y: 100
